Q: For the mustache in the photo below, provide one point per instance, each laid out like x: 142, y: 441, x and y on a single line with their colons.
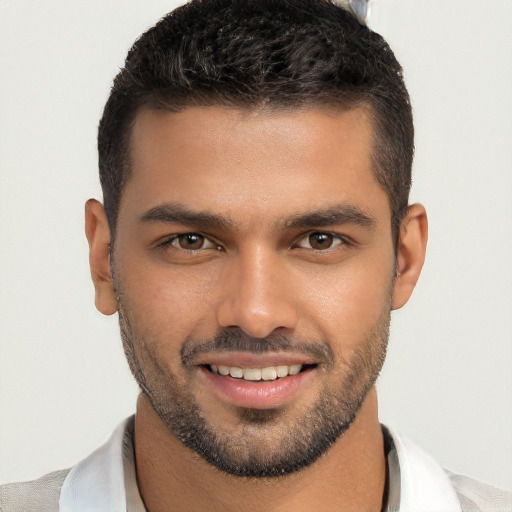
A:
x: 236, y: 340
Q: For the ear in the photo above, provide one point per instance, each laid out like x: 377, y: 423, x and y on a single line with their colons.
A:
x: 410, y: 253
x: 98, y: 236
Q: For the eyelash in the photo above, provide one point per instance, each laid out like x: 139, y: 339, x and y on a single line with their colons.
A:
x: 337, y: 240
x: 206, y: 239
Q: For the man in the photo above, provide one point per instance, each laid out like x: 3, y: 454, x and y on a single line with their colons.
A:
x: 255, y: 161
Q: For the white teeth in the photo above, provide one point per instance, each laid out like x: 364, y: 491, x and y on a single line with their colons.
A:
x: 223, y: 370
x: 236, y: 372
x: 255, y: 374
x: 252, y: 374
x: 269, y: 373
x: 294, y: 369
x: 282, y: 371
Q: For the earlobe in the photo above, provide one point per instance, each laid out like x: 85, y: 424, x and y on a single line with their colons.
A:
x: 410, y: 253
x: 98, y: 236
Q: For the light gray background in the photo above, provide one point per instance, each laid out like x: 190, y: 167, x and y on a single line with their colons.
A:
x: 64, y: 384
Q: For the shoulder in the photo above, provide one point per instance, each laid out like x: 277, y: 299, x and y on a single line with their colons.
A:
x: 95, y: 483
x: 476, y: 496
x: 418, y: 482
x: 41, y: 495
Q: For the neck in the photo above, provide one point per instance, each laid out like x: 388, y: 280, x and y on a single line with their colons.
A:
x: 350, y: 476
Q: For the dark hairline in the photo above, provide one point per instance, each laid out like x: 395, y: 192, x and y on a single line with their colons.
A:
x: 313, y: 54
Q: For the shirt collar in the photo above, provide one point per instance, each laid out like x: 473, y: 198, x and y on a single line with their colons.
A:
x: 417, y: 483
x: 106, y: 480
x: 97, y: 482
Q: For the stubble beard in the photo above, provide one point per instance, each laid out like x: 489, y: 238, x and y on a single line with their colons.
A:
x: 263, y: 444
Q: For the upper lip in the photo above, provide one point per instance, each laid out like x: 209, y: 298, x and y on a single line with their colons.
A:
x: 252, y: 360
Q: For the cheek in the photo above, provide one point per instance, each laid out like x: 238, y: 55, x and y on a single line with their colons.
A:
x: 167, y: 300
x: 347, y: 303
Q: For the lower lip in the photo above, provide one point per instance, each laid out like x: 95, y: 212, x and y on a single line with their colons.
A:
x: 256, y: 394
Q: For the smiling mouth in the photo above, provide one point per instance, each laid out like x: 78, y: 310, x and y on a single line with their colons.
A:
x: 268, y: 373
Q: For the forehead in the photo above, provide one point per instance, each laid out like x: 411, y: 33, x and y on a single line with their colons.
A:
x: 229, y: 159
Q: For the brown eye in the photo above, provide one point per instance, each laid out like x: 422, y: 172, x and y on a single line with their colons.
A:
x: 321, y: 241
x: 192, y: 242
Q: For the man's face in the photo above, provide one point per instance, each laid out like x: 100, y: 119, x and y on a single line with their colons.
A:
x: 257, y: 245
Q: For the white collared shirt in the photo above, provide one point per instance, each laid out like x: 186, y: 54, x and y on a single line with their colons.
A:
x: 106, y: 482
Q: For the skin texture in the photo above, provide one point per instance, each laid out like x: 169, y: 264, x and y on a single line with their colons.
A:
x: 292, y: 261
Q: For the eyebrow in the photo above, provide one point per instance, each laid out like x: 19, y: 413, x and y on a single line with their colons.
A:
x: 335, y: 215
x: 178, y: 214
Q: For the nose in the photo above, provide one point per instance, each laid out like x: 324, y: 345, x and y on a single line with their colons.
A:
x: 258, y: 294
